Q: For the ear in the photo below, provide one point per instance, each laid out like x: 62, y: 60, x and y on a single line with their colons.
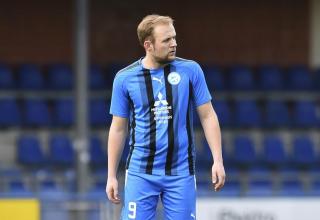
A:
x: 148, y: 45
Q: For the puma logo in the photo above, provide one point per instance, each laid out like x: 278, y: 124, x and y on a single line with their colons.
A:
x: 157, y: 79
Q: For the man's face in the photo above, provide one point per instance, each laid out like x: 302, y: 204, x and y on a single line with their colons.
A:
x: 164, y: 47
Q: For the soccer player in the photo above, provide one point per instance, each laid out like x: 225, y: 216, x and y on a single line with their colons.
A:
x: 156, y: 96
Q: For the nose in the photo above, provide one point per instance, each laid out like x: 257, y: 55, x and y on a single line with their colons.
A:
x: 174, y: 43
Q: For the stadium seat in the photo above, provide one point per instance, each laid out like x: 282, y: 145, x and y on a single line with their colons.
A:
x: 247, y: 113
x: 277, y: 114
x: 203, y: 157
x: 244, y: 153
x: 29, y: 152
x: 98, y: 156
x: 241, y: 78
x: 98, y: 112
x: 6, y: 78
x: 61, y: 151
x: 30, y: 77
x: 10, y: 114
x: 231, y: 188
x: 303, y: 154
x: 97, y: 78
x: 36, y: 112
x: 299, y: 78
x: 17, y: 188
x: 224, y: 112
x: 63, y: 112
x: 305, y: 114
x: 258, y: 188
x: 291, y: 188
x: 270, y: 78
x: 60, y: 77
x: 215, y: 78
x: 315, y: 188
x: 274, y: 154
x: 111, y: 70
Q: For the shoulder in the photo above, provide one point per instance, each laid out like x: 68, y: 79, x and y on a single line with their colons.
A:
x: 181, y: 62
x: 190, y: 65
x: 128, y: 71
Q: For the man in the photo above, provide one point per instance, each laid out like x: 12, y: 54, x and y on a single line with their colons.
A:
x: 156, y: 95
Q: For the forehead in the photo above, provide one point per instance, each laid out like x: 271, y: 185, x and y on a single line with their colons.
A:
x: 162, y: 31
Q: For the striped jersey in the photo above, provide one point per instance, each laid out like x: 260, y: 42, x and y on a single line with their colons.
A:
x: 159, y: 104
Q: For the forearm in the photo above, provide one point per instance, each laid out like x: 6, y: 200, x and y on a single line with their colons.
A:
x: 116, y: 142
x: 212, y: 133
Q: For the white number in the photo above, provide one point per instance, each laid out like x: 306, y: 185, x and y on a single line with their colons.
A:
x: 133, y: 210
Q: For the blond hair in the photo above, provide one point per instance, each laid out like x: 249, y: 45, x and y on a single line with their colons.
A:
x: 147, y: 25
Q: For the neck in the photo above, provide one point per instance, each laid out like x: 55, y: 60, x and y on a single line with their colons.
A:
x: 150, y: 63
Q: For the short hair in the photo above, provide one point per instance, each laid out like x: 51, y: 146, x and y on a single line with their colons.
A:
x: 147, y: 25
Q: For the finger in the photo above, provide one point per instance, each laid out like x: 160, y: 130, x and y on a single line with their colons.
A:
x: 112, y: 196
x: 214, y: 178
x: 220, y: 183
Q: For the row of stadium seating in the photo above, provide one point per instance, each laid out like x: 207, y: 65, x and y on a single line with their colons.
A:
x: 302, y: 152
x: 61, y: 77
x: 48, y: 188
x: 238, y: 113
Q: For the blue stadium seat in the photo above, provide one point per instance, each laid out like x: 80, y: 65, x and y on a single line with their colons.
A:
x: 241, y: 78
x: 98, y: 156
x: 303, y: 154
x: 305, y: 114
x: 232, y: 188
x: 63, y: 112
x: 315, y: 188
x: 98, y: 112
x: 6, y: 78
x: 291, y: 188
x: 30, y: 77
x: 10, y: 114
x: 244, y: 153
x: 277, y: 114
x: 111, y: 71
x: 215, y: 78
x: 60, y: 77
x: 97, y: 78
x: 258, y: 188
x: 36, y: 112
x: 17, y: 188
x: 223, y: 112
x: 29, y: 151
x: 204, y: 157
x: 61, y: 151
x: 299, y: 78
x: 274, y: 154
x: 247, y: 113
x: 270, y: 78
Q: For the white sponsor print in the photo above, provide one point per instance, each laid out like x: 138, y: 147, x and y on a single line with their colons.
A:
x: 161, y: 110
x: 163, y: 102
x: 193, y: 216
x: 174, y: 78
x: 157, y: 79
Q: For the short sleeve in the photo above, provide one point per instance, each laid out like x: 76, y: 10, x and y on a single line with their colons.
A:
x: 120, y: 98
x: 201, y: 94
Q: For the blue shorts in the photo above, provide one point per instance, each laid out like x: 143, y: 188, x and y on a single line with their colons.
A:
x: 142, y: 191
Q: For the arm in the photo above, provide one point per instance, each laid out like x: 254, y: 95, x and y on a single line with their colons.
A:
x: 210, y: 124
x: 117, y: 136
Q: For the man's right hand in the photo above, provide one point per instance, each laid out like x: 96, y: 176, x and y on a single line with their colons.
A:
x: 112, y: 190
